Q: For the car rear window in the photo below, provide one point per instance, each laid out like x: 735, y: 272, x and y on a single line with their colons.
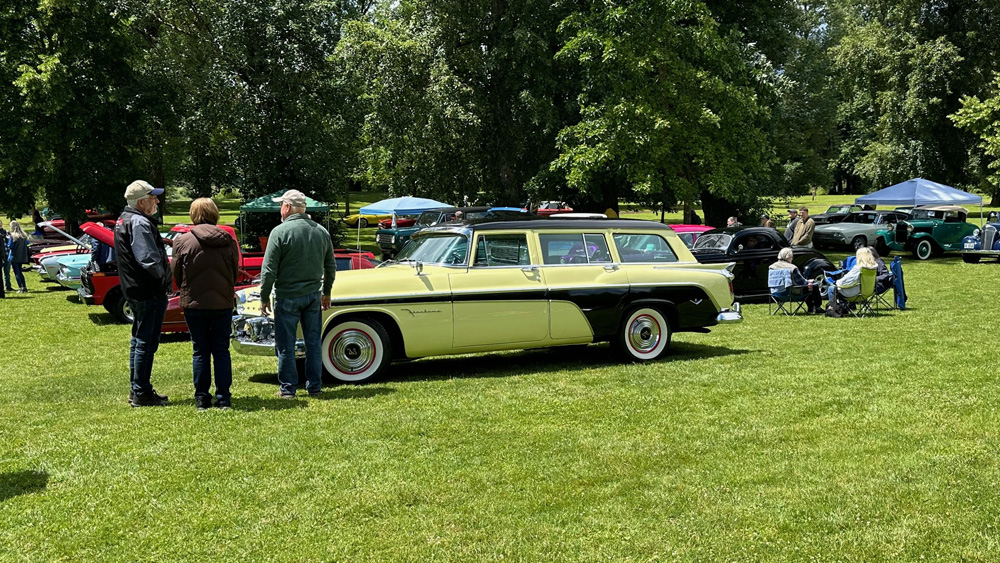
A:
x: 579, y: 248
x: 502, y: 250
x: 644, y: 248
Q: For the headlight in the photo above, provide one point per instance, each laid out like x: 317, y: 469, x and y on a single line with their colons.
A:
x: 393, y: 239
x: 909, y: 228
x: 976, y: 233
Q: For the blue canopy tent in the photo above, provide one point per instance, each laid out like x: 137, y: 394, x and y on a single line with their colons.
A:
x: 398, y: 206
x: 919, y: 191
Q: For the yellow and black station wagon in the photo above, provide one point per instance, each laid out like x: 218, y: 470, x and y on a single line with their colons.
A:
x: 481, y: 287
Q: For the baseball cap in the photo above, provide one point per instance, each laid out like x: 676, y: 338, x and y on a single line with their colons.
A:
x: 140, y: 189
x: 295, y: 198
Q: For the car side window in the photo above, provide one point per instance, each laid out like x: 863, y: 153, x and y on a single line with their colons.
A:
x: 587, y: 248
x: 643, y: 248
x: 502, y: 250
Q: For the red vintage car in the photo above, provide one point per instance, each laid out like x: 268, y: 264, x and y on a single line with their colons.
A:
x: 690, y: 233
x: 401, y: 221
x: 100, y: 284
x: 547, y: 208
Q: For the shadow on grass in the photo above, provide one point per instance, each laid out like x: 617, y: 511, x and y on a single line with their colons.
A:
x: 251, y: 404
x: 548, y: 360
x: 21, y: 483
x: 333, y: 390
x: 103, y: 319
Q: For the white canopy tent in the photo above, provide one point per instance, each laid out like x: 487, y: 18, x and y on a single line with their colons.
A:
x: 398, y: 206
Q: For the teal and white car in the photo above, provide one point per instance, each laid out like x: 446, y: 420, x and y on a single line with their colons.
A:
x: 857, y: 230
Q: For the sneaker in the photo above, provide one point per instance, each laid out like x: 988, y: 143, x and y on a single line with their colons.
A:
x: 148, y: 400
x: 316, y: 394
x: 222, y: 404
x: 282, y: 395
x: 203, y: 403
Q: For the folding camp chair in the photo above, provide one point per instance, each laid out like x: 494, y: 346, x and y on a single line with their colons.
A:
x: 865, y: 300
x: 786, y: 298
x: 898, y: 290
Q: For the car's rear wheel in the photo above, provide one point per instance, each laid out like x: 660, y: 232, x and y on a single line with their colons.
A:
x: 971, y: 258
x: 859, y: 242
x: 643, y: 335
x: 356, y: 350
x: 118, y: 306
x: 923, y: 250
x: 362, y: 222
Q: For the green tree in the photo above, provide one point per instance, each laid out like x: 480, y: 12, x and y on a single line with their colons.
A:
x: 982, y: 117
x: 669, y: 106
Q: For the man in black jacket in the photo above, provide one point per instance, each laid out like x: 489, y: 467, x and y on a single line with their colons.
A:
x: 145, y: 278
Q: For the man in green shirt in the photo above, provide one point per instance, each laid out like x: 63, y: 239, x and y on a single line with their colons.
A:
x: 299, y: 266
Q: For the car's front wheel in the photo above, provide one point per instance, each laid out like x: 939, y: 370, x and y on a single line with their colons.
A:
x: 971, y: 258
x: 882, y: 248
x: 859, y: 242
x: 362, y: 222
x: 356, y: 350
x: 643, y: 335
x: 923, y: 250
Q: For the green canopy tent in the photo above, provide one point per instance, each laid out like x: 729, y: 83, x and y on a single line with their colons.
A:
x: 266, y: 204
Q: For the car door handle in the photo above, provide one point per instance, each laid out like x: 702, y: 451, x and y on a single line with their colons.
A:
x: 610, y: 267
x: 529, y: 269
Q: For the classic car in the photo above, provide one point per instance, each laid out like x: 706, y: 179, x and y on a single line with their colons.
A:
x: 69, y: 270
x: 930, y: 230
x: 487, y: 286
x: 547, y: 208
x: 363, y: 221
x: 835, y: 213
x: 47, y: 261
x: 858, y: 229
x: 690, y: 233
x: 754, y: 249
x: 982, y: 243
x: 392, y: 240
x: 401, y: 221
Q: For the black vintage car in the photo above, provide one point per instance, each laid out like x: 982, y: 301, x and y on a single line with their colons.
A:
x: 753, y: 249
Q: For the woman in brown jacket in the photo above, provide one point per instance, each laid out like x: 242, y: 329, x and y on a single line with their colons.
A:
x: 205, y: 266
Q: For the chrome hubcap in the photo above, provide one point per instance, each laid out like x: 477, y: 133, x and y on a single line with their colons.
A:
x: 352, y: 351
x: 644, y: 334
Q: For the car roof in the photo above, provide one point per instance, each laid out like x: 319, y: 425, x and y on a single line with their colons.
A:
x: 462, y: 209
x: 552, y: 223
x: 943, y: 208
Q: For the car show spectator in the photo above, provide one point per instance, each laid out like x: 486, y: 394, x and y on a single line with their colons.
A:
x: 145, y: 279
x: 813, y: 300
x: 18, y: 256
x: 733, y: 222
x: 4, y: 262
x: 765, y: 221
x: 803, y: 235
x: 205, y: 265
x: 793, y: 220
x: 850, y: 284
x: 300, y: 267
x: 883, y: 277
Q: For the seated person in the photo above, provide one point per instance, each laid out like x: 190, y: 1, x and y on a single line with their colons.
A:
x: 813, y: 300
x: 883, y: 278
x: 850, y: 284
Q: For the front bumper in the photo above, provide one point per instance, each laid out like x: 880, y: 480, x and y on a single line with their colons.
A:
x: 85, y: 295
x: 729, y: 316
x: 254, y: 336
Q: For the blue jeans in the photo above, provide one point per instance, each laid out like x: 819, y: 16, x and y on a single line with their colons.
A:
x: 210, y: 330
x: 18, y: 275
x: 146, y: 324
x: 6, y: 275
x: 288, y: 313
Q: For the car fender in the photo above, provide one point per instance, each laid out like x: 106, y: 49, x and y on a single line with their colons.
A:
x: 665, y: 306
x: 812, y: 268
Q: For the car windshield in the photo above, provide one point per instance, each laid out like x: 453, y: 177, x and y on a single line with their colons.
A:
x: 926, y: 214
x: 839, y: 209
x: 428, y: 218
x: 714, y: 241
x: 438, y: 248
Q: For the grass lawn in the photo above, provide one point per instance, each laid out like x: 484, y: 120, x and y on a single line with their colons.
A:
x: 779, y: 439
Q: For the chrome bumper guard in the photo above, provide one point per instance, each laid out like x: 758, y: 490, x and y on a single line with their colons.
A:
x: 727, y: 316
x: 254, y: 336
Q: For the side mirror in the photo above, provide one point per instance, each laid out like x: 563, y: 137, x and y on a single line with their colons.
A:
x: 739, y: 248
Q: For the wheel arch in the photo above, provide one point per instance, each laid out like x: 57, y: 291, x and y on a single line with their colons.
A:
x: 387, y: 321
x: 665, y: 306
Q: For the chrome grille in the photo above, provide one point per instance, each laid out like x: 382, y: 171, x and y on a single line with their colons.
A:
x: 901, y: 234
x: 989, y: 237
x: 383, y: 238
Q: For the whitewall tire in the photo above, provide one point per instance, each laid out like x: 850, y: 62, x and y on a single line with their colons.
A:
x: 644, y: 335
x: 356, y: 350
